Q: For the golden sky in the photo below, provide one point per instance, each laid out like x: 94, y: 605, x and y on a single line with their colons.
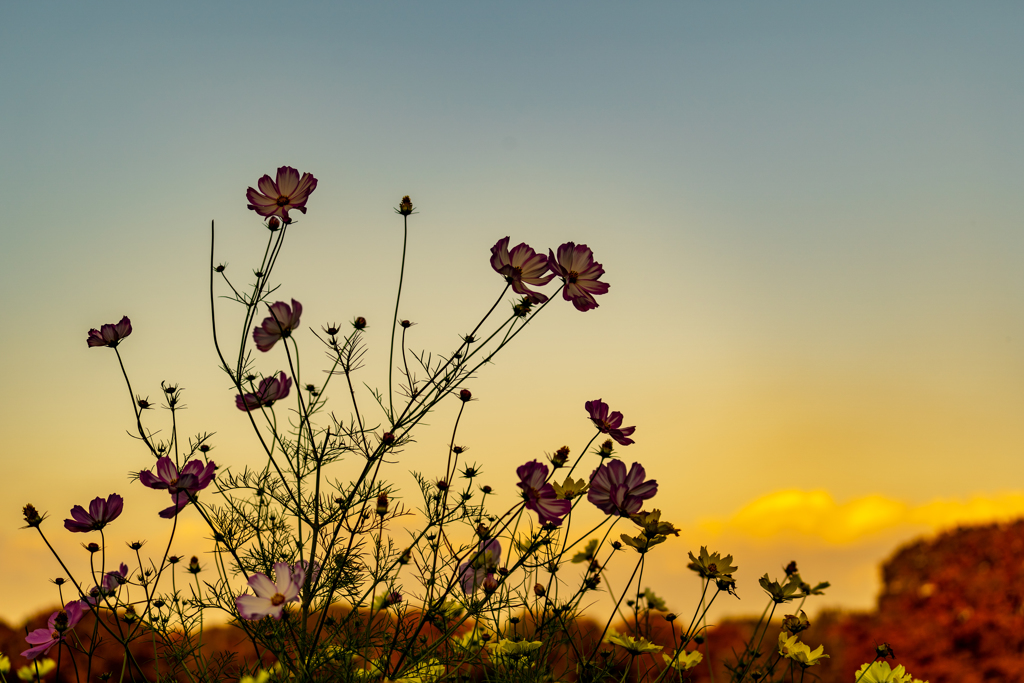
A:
x: 810, y: 217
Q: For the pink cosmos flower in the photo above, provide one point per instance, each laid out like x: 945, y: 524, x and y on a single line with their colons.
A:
x: 616, y: 492
x: 270, y: 597
x: 277, y: 198
x: 283, y: 319
x: 101, y: 512
x: 192, y: 478
x: 578, y: 269
x: 109, y: 585
x: 270, y: 389
x: 610, y: 424
x: 522, y: 266
x: 482, y: 565
x: 540, y: 496
x: 110, y: 334
x: 57, y: 628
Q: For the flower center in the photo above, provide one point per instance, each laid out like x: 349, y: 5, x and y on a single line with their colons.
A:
x: 282, y: 200
x: 712, y: 568
x: 278, y: 599
x: 573, y: 277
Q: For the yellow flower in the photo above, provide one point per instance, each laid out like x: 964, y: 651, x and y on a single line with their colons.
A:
x: 511, y: 649
x: 570, y: 488
x: 791, y: 647
x: 424, y: 672
x: 635, y: 646
x: 653, y: 601
x: 652, y: 524
x: 642, y: 543
x: 37, y: 669
x: 262, y: 676
x: 711, y: 566
x: 5, y: 664
x: 881, y: 672
x: 470, y: 642
x: 682, y: 660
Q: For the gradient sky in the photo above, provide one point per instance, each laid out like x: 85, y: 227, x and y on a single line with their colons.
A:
x: 810, y: 216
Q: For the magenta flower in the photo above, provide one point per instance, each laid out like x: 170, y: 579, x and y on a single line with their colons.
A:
x: 616, y: 492
x: 579, y: 271
x: 539, y: 495
x: 610, y: 424
x: 190, y: 479
x: 57, y: 628
x: 283, y: 319
x: 110, y: 334
x: 101, y: 512
x: 270, y: 597
x: 277, y: 198
x: 270, y: 389
x: 522, y: 266
x: 109, y: 585
x: 482, y: 565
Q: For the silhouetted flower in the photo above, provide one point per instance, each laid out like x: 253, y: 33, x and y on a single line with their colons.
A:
x: 712, y: 565
x: 192, y: 478
x: 270, y: 389
x: 617, y: 492
x: 521, y: 266
x: 609, y: 423
x: 271, y: 597
x: 578, y: 269
x: 282, y: 320
x: 287, y: 193
x: 110, y: 334
x: 101, y: 512
x: 540, y: 495
x: 481, y: 565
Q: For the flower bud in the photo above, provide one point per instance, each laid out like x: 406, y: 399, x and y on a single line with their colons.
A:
x: 405, y: 206
x: 273, y: 224
x: 790, y: 568
x: 405, y: 557
x: 220, y: 268
x: 388, y: 439
x: 486, y: 489
x: 465, y: 395
x: 92, y: 547
x: 193, y: 565
x: 560, y: 457
x: 405, y: 324
x: 32, y: 516
x: 382, y: 504
x: 699, y: 639
x: 606, y: 449
x: 884, y: 650
x: 539, y: 590
x: 490, y: 584
x: 359, y: 323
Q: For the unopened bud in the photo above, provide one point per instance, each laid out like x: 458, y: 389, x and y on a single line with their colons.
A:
x: 465, y: 395
x: 382, y: 504
x: 193, y: 565
x: 273, y: 224
x: 32, y: 516
x: 359, y: 323
x: 539, y: 590
x: 388, y: 439
x: 405, y: 206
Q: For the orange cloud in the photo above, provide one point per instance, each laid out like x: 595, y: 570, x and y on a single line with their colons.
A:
x: 816, y: 515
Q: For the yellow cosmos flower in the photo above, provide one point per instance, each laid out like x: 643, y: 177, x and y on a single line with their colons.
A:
x: 37, y: 669
x: 792, y: 648
x: 635, y: 646
x: 682, y: 660
x: 881, y: 672
x: 570, y: 488
x: 262, y: 676
x: 711, y: 565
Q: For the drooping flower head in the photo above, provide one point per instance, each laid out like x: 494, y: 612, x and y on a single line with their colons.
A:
x: 609, y: 423
x: 101, y: 512
x: 277, y: 198
x: 269, y: 390
x: 521, y: 266
x: 580, y: 272
x: 617, y: 492
x: 57, y: 628
x: 271, y: 597
x: 190, y: 479
x: 482, y: 564
x: 110, y: 334
x: 282, y: 320
x: 540, y: 496
x: 108, y: 585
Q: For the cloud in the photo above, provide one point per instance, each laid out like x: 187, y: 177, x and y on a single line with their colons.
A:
x: 815, y: 515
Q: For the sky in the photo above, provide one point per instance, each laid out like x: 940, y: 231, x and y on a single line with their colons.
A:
x: 809, y: 214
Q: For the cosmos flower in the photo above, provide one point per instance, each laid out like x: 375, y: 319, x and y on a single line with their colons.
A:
x: 578, y: 269
x: 682, y: 660
x: 110, y: 334
x: 108, y: 585
x: 270, y: 389
x: 609, y: 423
x: 101, y: 512
x: 271, y: 597
x: 881, y: 672
x: 57, y: 627
x: 635, y: 646
x: 278, y: 325
x: 539, y: 495
x: 483, y: 564
x: 521, y: 266
x: 711, y: 565
x: 192, y: 478
x: 617, y: 492
x: 276, y: 198
x: 792, y: 648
